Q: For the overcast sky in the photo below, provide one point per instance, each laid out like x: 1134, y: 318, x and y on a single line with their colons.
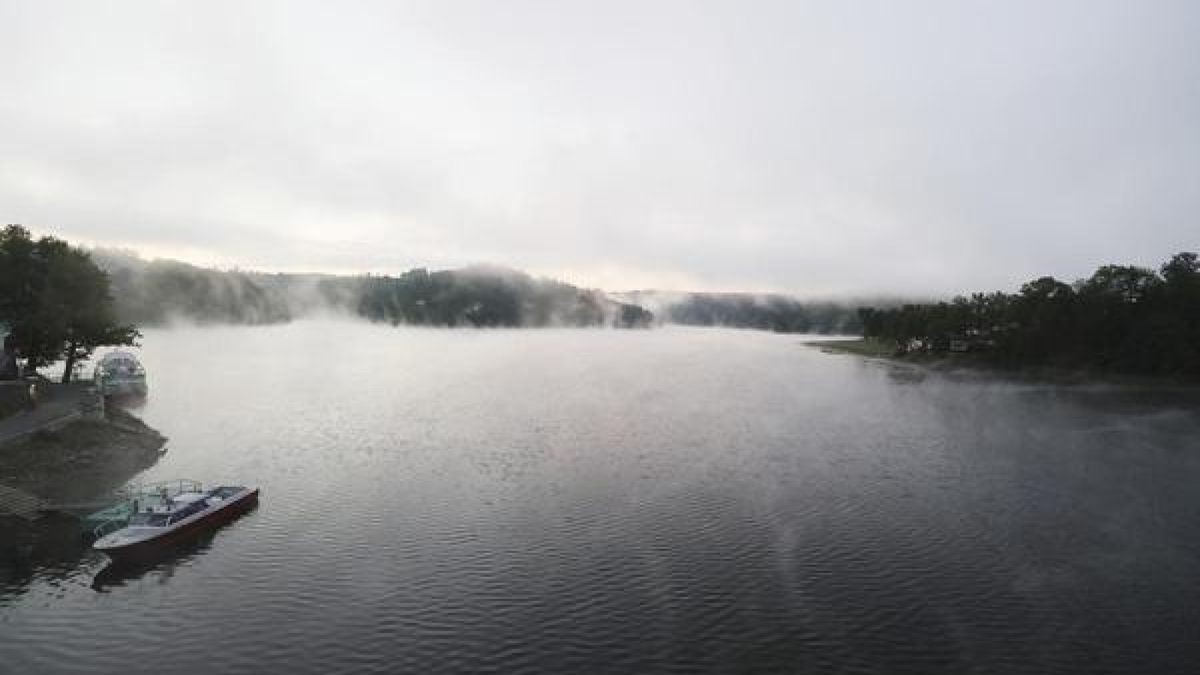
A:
x: 809, y: 147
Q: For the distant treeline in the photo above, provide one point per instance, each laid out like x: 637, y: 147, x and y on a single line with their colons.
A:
x: 157, y: 292
x: 1123, y: 318
x: 772, y: 312
x: 154, y: 292
x: 485, y: 297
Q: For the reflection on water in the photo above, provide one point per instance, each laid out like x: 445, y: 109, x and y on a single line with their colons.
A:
x: 131, y: 402
x: 902, y: 373
x: 117, y: 574
x: 50, y: 549
x: 672, y: 500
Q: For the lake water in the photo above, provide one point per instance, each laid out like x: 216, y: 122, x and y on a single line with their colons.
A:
x: 675, y: 500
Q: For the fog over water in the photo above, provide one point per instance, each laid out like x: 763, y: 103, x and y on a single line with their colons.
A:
x: 527, y: 489
x: 637, y: 501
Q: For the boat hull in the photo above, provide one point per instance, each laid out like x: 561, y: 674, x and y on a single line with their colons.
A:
x: 124, y: 389
x: 149, y: 549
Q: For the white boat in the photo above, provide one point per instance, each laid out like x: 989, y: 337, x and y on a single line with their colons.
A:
x: 172, y: 518
x: 120, y: 374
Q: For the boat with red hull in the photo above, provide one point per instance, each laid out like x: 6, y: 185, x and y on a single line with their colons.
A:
x: 176, y: 519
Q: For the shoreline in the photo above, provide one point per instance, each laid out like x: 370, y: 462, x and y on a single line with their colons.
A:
x: 951, y: 363
x: 84, y: 459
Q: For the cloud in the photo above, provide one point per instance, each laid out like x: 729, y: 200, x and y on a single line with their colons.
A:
x: 816, y: 148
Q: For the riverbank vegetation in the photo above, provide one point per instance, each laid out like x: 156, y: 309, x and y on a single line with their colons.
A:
x: 55, y: 301
x: 1122, y: 319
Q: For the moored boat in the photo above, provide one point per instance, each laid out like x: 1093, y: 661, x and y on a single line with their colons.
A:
x: 174, y: 519
x: 128, y: 501
x: 120, y: 374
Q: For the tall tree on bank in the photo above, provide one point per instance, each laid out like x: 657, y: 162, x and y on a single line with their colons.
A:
x: 57, y: 301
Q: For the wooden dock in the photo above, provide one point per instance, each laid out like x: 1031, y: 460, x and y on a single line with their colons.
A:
x: 21, y: 504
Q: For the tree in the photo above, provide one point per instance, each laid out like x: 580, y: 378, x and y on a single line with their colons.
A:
x: 1183, y: 269
x: 1126, y: 283
x: 20, y: 273
x: 57, y: 300
x: 1123, y: 318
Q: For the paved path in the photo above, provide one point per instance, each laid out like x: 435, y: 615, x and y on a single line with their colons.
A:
x: 58, y: 404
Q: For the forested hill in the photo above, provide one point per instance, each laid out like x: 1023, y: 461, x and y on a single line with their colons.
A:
x: 482, y: 296
x: 156, y: 292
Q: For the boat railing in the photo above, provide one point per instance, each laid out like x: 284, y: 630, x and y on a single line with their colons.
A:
x: 166, y: 488
x: 134, y: 498
x: 107, y: 527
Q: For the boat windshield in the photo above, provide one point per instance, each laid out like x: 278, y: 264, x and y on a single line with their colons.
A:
x: 119, y: 367
x: 185, y: 511
x: 151, y: 519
